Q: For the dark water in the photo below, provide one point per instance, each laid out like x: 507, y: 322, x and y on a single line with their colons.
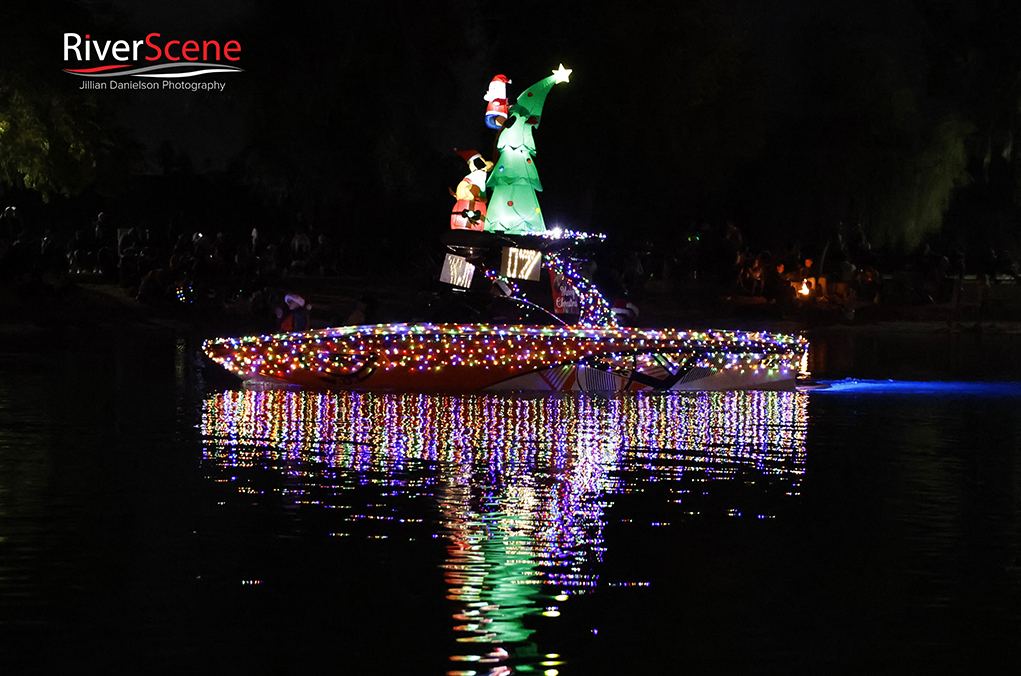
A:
x: 152, y: 519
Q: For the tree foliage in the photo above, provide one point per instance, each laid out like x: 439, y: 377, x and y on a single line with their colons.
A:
x: 882, y: 153
x: 54, y: 138
x: 911, y: 204
x: 44, y: 144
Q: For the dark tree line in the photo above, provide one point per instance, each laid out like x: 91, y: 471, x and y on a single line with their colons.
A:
x: 901, y: 116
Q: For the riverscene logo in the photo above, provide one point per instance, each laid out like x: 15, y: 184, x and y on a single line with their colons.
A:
x: 160, y: 62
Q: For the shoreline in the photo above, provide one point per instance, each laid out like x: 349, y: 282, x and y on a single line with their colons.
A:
x: 89, y: 303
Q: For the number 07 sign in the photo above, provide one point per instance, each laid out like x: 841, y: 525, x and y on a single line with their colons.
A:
x: 521, y: 264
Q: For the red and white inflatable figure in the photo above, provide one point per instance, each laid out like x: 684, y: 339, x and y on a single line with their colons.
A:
x: 497, y: 110
x: 470, y: 211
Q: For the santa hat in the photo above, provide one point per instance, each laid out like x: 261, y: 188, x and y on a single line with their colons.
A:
x: 497, y: 88
x: 470, y: 156
x: 294, y: 301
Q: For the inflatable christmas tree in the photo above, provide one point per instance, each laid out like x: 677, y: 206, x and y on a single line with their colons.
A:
x: 513, y: 180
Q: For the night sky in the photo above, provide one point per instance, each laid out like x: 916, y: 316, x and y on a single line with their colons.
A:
x: 791, y: 119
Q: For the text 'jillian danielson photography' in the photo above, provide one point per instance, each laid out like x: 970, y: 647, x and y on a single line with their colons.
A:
x: 163, y: 84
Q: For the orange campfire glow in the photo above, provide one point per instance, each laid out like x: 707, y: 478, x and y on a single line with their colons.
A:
x: 805, y: 289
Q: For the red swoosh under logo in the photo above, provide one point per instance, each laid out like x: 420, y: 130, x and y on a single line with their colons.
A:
x: 96, y: 70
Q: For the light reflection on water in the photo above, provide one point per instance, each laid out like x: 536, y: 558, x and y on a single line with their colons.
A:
x: 521, y: 487
x: 927, y: 387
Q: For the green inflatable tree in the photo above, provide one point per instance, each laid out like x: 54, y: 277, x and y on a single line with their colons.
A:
x: 513, y: 181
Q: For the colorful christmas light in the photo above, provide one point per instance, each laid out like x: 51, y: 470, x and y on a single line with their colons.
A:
x: 468, y: 357
x: 595, y: 311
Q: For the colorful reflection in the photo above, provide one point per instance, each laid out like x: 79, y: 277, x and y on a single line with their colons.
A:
x: 523, y: 486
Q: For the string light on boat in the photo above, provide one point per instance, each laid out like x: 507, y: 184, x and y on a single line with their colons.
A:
x: 565, y: 233
x: 595, y: 311
x: 432, y: 347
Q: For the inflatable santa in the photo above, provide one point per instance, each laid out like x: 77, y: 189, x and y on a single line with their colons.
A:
x: 496, y: 110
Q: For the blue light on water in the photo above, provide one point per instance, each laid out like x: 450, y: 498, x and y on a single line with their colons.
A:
x: 912, y: 387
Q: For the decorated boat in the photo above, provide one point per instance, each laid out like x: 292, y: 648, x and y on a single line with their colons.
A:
x: 519, y: 310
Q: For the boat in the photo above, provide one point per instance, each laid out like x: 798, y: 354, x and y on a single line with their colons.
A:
x: 517, y: 310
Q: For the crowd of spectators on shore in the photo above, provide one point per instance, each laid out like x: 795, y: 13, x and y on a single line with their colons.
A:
x: 248, y: 272
x: 845, y: 270
x: 222, y: 271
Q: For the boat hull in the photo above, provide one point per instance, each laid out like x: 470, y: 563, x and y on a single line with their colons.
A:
x: 460, y: 358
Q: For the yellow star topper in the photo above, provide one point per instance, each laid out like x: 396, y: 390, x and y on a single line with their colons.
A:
x: 562, y: 74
